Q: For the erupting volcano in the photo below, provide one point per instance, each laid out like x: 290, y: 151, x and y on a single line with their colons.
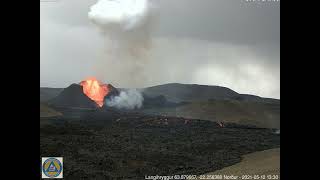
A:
x: 95, y: 90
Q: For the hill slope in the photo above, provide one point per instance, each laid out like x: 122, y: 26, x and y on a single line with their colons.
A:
x: 266, y: 115
x: 192, y: 92
x: 185, y: 92
x: 73, y: 96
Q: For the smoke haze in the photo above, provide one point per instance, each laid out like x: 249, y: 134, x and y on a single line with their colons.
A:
x: 226, y: 43
x: 127, y: 99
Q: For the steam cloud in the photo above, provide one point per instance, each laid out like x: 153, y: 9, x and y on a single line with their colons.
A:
x: 127, y: 99
x: 125, y: 26
x: 125, y: 14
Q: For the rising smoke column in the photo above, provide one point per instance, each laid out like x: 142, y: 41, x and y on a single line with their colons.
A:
x: 125, y: 26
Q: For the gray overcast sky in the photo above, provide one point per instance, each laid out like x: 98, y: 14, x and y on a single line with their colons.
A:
x: 230, y: 43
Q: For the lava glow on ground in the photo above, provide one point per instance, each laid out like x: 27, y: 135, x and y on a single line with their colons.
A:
x: 95, y: 90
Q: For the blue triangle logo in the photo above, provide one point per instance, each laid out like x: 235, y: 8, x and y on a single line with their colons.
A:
x: 52, y: 168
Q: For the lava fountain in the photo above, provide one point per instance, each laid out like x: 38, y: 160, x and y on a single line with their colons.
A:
x: 95, y: 90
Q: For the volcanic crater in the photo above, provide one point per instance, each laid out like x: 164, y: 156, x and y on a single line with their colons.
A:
x: 108, y: 143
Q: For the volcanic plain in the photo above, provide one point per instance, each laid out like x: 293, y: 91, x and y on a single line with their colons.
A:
x: 108, y: 143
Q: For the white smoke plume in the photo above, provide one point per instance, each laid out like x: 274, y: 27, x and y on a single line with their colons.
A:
x: 127, y: 99
x: 125, y: 26
x: 125, y: 14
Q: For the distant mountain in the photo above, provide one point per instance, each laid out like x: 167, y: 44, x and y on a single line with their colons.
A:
x: 260, y: 114
x: 217, y: 104
x: 176, y: 92
x: 47, y: 93
x: 193, y: 93
x: 213, y: 103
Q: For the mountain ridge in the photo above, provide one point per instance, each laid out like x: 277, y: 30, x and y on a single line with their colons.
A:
x: 178, y: 92
x: 185, y: 92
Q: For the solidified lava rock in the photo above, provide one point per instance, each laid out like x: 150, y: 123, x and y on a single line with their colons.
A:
x: 107, y: 144
x: 73, y: 96
x: 112, y: 92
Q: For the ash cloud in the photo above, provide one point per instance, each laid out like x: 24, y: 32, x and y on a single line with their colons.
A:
x: 125, y: 27
x: 127, y: 99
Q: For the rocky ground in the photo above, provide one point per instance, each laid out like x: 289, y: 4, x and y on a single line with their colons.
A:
x: 107, y: 144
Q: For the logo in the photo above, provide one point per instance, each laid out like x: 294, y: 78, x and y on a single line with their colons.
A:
x: 52, y: 167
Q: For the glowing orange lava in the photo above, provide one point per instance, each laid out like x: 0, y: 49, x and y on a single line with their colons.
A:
x: 95, y: 90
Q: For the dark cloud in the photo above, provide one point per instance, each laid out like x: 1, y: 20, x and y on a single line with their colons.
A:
x: 221, y: 20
